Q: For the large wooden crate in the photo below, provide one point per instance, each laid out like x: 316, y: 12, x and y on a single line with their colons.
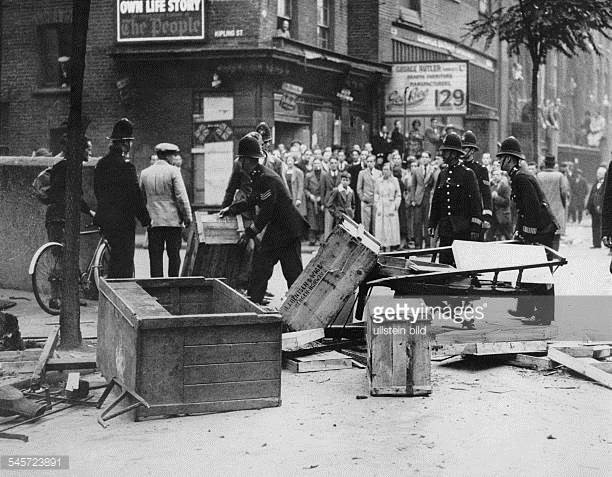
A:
x: 212, y: 251
x: 189, y: 345
x: 330, y: 279
x: 399, y: 360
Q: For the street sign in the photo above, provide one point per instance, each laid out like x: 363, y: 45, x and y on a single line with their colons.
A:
x: 160, y: 20
x: 427, y: 89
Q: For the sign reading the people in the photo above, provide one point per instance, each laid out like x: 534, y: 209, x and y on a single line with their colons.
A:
x: 425, y: 89
x: 160, y: 20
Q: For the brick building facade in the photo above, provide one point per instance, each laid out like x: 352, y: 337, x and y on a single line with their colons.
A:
x: 201, y: 77
x: 417, y: 31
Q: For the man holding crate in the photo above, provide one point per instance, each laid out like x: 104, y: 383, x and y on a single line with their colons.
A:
x: 276, y: 213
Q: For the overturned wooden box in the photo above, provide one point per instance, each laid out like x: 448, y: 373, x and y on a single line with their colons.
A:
x: 189, y: 345
x: 212, y: 251
x: 342, y: 263
x: 399, y: 354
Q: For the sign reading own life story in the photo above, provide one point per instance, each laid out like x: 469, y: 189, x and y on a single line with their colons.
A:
x: 436, y: 88
x: 160, y: 20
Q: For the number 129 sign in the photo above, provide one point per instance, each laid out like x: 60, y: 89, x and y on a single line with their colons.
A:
x: 424, y: 89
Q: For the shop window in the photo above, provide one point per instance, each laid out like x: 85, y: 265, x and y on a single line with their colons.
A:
x: 55, y: 41
x: 323, y: 24
x: 484, y: 7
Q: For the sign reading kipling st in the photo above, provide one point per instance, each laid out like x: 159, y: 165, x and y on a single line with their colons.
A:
x: 160, y: 20
x: 424, y: 89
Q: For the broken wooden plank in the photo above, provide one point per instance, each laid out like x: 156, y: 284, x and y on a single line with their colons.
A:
x: 539, y: 363
x: 575, y: 351
x: 72, y: 382
x: 508, y: 347
x: 47, y: 352
x: 319, y: 362
x: 297, y: 339
x: 579, y: 367
x: 601, y: 351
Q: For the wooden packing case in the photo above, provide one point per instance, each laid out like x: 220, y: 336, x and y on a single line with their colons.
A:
x: 189, y: 345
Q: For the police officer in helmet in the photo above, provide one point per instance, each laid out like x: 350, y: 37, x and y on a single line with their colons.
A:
x: 276, y: 213
x: 482, y: 174
x: 456, y: 205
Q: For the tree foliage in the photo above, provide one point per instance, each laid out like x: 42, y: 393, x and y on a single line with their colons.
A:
x: 540, y: 26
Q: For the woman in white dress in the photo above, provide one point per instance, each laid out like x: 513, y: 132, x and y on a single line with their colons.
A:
x: 387, y: 199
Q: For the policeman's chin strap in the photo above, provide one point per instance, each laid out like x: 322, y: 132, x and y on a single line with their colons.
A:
x: 513, y: 171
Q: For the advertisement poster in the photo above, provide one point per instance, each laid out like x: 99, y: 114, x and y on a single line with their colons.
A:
x: 427, y: 89
x: 160, y: 20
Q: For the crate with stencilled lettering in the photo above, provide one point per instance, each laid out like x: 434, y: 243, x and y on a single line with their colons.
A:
x: 331, y: 278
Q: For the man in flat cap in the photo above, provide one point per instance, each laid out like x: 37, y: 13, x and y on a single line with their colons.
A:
x: 119, y: 200
x: 168, y: 205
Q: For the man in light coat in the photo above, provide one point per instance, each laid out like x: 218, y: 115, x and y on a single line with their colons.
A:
x: 556, y: 189
x: 366, y: 186
x: 168, y: 205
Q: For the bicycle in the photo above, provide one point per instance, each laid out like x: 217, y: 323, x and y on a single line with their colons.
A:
x: 46, y: 272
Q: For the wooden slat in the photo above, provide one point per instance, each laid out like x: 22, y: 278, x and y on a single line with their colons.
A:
x: 297, y: 339
x: 319, y: 362
x: 25, y: 355
x: 576, y: 351
x: 232, y: 334
x: 209, y: 407
x: 399, y: 360
x: 483, y: 349
x: 219, y: 319
x: 227, y: 391
x: 576, y: 365
x: 232, y: 353
x: 174, y: 282
x: 60, y: 364
x: 231, y: 372
x: 418, y: 371
x: 18, y: 367
x: 539, y: 363
x: 161, y: 361
x: 47, y: 352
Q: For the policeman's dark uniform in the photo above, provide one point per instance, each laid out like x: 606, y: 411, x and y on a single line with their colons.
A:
x: 456, y: 207
x: 119, y: 202
x: 535, y: 224
x: 482, y: 175
x: 284, y: 228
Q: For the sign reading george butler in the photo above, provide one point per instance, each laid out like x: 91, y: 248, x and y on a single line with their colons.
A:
x: 430, y: 88
x: 160, y: 20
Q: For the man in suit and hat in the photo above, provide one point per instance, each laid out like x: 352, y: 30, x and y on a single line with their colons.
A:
x: 535, y: 224
x: 119, y: 200
x: 269, y: 160
x: 482, y: 174
x: 556, y: 188
x: 456, y: 209
x: 168, y: 206
x: 283, y: 222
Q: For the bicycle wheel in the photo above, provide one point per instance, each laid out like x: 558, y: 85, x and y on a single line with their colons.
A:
x: 47, y: 277
x: 101, y: 263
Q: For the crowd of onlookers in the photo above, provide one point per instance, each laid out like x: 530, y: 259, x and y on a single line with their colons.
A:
x: 387, y: 185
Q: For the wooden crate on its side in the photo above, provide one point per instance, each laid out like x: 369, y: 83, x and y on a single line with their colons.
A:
x: 399, y: 357
x: 330, y: 279
x: 212, y: 251
x: 189, y: 345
